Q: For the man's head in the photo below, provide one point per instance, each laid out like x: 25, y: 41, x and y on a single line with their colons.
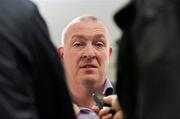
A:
x: 85, y: 53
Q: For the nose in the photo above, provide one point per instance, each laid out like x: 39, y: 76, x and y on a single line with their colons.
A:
x: 89, y: 52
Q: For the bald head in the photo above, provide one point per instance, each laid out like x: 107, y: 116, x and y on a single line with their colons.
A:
x: 84, y: 19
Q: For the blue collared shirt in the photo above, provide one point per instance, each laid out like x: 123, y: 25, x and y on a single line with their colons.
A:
x: 86, y: 113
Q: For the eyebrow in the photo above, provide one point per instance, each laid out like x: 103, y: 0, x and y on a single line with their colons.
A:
x: 79, y: 36
x: 97, y: 36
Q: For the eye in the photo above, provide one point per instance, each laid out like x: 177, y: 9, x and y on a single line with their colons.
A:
x: 78, y: 44
x: 99, y: 44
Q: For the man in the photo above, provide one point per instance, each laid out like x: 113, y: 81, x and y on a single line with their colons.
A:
x: 32, y: 82
x: 85, y: 52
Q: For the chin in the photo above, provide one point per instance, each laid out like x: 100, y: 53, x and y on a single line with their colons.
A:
x: 89, y: 83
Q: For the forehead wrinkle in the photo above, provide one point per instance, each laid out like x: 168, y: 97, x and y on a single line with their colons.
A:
x: 77, y: 27
x: 82, y: 37
x: 96, y: 36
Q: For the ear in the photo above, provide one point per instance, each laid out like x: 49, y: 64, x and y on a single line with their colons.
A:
x: 61, y: 53
x: 110, y: 51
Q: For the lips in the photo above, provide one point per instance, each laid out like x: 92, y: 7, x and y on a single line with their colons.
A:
x: 88, y: 66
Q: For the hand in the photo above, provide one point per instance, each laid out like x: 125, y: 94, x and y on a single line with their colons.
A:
x: 105, y: 112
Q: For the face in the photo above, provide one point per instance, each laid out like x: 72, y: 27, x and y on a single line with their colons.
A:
x: 86, y: 54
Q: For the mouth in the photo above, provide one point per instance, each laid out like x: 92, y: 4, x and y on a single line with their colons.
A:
x: 88, y: 66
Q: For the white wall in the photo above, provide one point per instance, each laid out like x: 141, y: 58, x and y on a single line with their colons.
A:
x: 58, y: 13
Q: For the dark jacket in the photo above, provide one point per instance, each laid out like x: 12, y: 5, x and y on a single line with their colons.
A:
x: 32, y: 81
x: 148, y: 59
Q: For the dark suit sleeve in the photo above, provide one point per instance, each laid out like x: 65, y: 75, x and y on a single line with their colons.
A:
x: 32, y: 81
x: 15, y: 87
x: 16, y: 97
x: 50, y: 90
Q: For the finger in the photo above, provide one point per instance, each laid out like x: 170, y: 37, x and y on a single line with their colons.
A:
x: 104, y: 111
x: 115, y: 104
x: 95, y: 109
x: 108, y: 116
x: 118, y: 115
x: 109, y: 99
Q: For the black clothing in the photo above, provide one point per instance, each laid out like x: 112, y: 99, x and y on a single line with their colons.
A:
x: 148, y: 59
x: 32, y: 81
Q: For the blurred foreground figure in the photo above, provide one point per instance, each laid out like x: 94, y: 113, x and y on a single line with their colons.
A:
x: 32, y: 82
x: 149, y: 59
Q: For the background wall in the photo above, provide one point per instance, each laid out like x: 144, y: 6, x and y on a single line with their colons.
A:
x: 58, y: 13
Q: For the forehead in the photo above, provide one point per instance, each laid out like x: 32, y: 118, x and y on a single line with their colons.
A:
x: 87, y: 27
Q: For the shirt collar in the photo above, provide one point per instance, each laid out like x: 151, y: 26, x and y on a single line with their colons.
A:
x: 108, y: 88
x: 85, y: 110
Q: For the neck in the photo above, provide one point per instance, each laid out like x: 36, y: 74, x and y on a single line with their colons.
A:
x: 83, y: 98
x: 82, y: 95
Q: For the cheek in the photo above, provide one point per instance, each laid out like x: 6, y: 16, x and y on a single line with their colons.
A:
x: 71, y: 60
x: 103, y: 59
x: 103, y: 62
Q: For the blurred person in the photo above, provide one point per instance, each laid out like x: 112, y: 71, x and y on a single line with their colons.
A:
x: 85, y: 52
x: 32, y: 81
x: 148, y: 59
